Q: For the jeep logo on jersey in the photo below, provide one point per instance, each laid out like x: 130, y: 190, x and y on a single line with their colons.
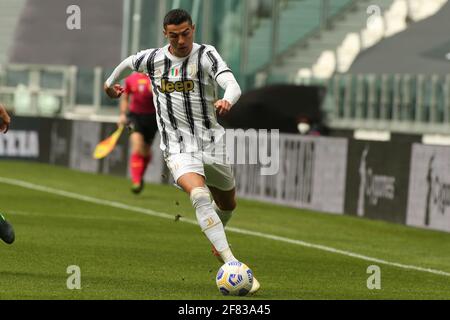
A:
x: 179, y: 86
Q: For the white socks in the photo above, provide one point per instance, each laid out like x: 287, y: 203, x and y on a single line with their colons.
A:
x: 224, y: 216
x: 210, y: 222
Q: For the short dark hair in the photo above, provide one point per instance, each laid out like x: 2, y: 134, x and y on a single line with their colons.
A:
x: 177, y: 17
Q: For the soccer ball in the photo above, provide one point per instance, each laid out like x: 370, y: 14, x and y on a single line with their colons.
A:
x: 234, y: 279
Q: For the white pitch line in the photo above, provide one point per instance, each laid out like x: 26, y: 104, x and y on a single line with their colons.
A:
x: 153, y: 213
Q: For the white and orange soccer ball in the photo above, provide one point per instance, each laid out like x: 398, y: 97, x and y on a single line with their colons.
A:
x: 234, y: 279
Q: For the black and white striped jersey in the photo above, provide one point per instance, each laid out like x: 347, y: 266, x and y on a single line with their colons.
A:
x: 184, y: 95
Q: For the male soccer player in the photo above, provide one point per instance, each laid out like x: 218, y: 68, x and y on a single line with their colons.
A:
x: 184, y: 75
x: 140, y: 114
x: 6, y: 229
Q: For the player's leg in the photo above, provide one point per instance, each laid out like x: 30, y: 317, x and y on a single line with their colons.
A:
x: 224, y: 203
x: 220, y: 180
x: 6, y: 230
x: 139, y: 154
x: 150, y: 128
x: 188, y: 172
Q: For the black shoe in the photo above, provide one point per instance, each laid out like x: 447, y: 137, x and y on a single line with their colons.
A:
x: 6, y: 231
x: 137, y: 188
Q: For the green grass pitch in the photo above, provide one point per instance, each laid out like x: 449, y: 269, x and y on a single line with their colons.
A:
x: 124, y: 254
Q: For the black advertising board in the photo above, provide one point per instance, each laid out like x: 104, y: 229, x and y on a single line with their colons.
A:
x: 377, y: 180
x: 60, y: 143
x: 117, y: 162
x: 27, y: 139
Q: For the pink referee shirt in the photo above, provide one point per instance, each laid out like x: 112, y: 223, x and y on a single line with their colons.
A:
x: 139, y: 88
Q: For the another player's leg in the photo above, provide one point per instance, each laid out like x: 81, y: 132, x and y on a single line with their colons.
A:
x: 6, y: 230
x: 148, y: 158
x: 149, y: 130
x: 140, y: 157
x: 209, y: 221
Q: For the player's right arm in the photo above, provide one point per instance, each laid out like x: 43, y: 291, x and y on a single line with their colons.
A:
x: 6, y: 120
x: 133, y: 63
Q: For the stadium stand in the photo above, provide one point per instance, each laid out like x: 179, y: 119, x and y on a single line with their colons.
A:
x: 34, y: 40
x: 420, y: 49
x: 265, y: 42
x: 9, y: 17
x: 295, y: 21
x: 401, y: 84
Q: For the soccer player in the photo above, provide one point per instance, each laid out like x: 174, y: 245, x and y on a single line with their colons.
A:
x: 139, y: 113
x: 6, y: 229
x: 184, y: 75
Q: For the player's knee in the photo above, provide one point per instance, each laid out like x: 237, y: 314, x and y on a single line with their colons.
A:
x: 200, y: 197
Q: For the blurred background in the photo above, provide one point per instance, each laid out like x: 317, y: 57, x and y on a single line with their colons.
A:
x: 343, y: 64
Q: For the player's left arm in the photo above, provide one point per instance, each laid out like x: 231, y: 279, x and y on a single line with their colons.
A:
x: 233, y: 92
x: 218, y: 69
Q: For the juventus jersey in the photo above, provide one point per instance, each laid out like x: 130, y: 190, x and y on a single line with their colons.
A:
x: 184, y: 95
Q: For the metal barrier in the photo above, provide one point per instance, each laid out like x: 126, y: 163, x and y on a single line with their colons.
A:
x: 47, y: 90
x: 397, y: 102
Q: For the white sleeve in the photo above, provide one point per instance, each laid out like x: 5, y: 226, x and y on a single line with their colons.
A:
x: 227, y: 81
x: 121, y: 72
x: 137, y: 62
x: 140, y: 61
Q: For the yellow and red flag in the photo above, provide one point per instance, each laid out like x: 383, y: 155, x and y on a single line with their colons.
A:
x: 105, y: 147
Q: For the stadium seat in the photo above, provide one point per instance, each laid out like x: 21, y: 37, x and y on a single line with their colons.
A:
x: 373, y: 33
x: 48, y: 105
x: 422, y: 9
x: 396, y: 18
x: 348, y: 51
x: 325, y: 66
x: 22, y: 100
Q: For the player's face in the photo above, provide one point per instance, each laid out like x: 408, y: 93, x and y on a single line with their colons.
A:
x: 181, y: 38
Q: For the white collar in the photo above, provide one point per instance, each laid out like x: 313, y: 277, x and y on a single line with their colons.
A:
x: 166, y: 50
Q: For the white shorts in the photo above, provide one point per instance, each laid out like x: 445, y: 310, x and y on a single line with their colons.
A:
x: 217, y: 174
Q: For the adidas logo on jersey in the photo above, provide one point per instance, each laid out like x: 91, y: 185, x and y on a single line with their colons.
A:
x: 179, y: 86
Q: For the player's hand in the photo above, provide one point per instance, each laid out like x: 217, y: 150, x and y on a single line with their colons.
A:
x: 114, y: 92
x: 223, y: 107
x: 5, y: 120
